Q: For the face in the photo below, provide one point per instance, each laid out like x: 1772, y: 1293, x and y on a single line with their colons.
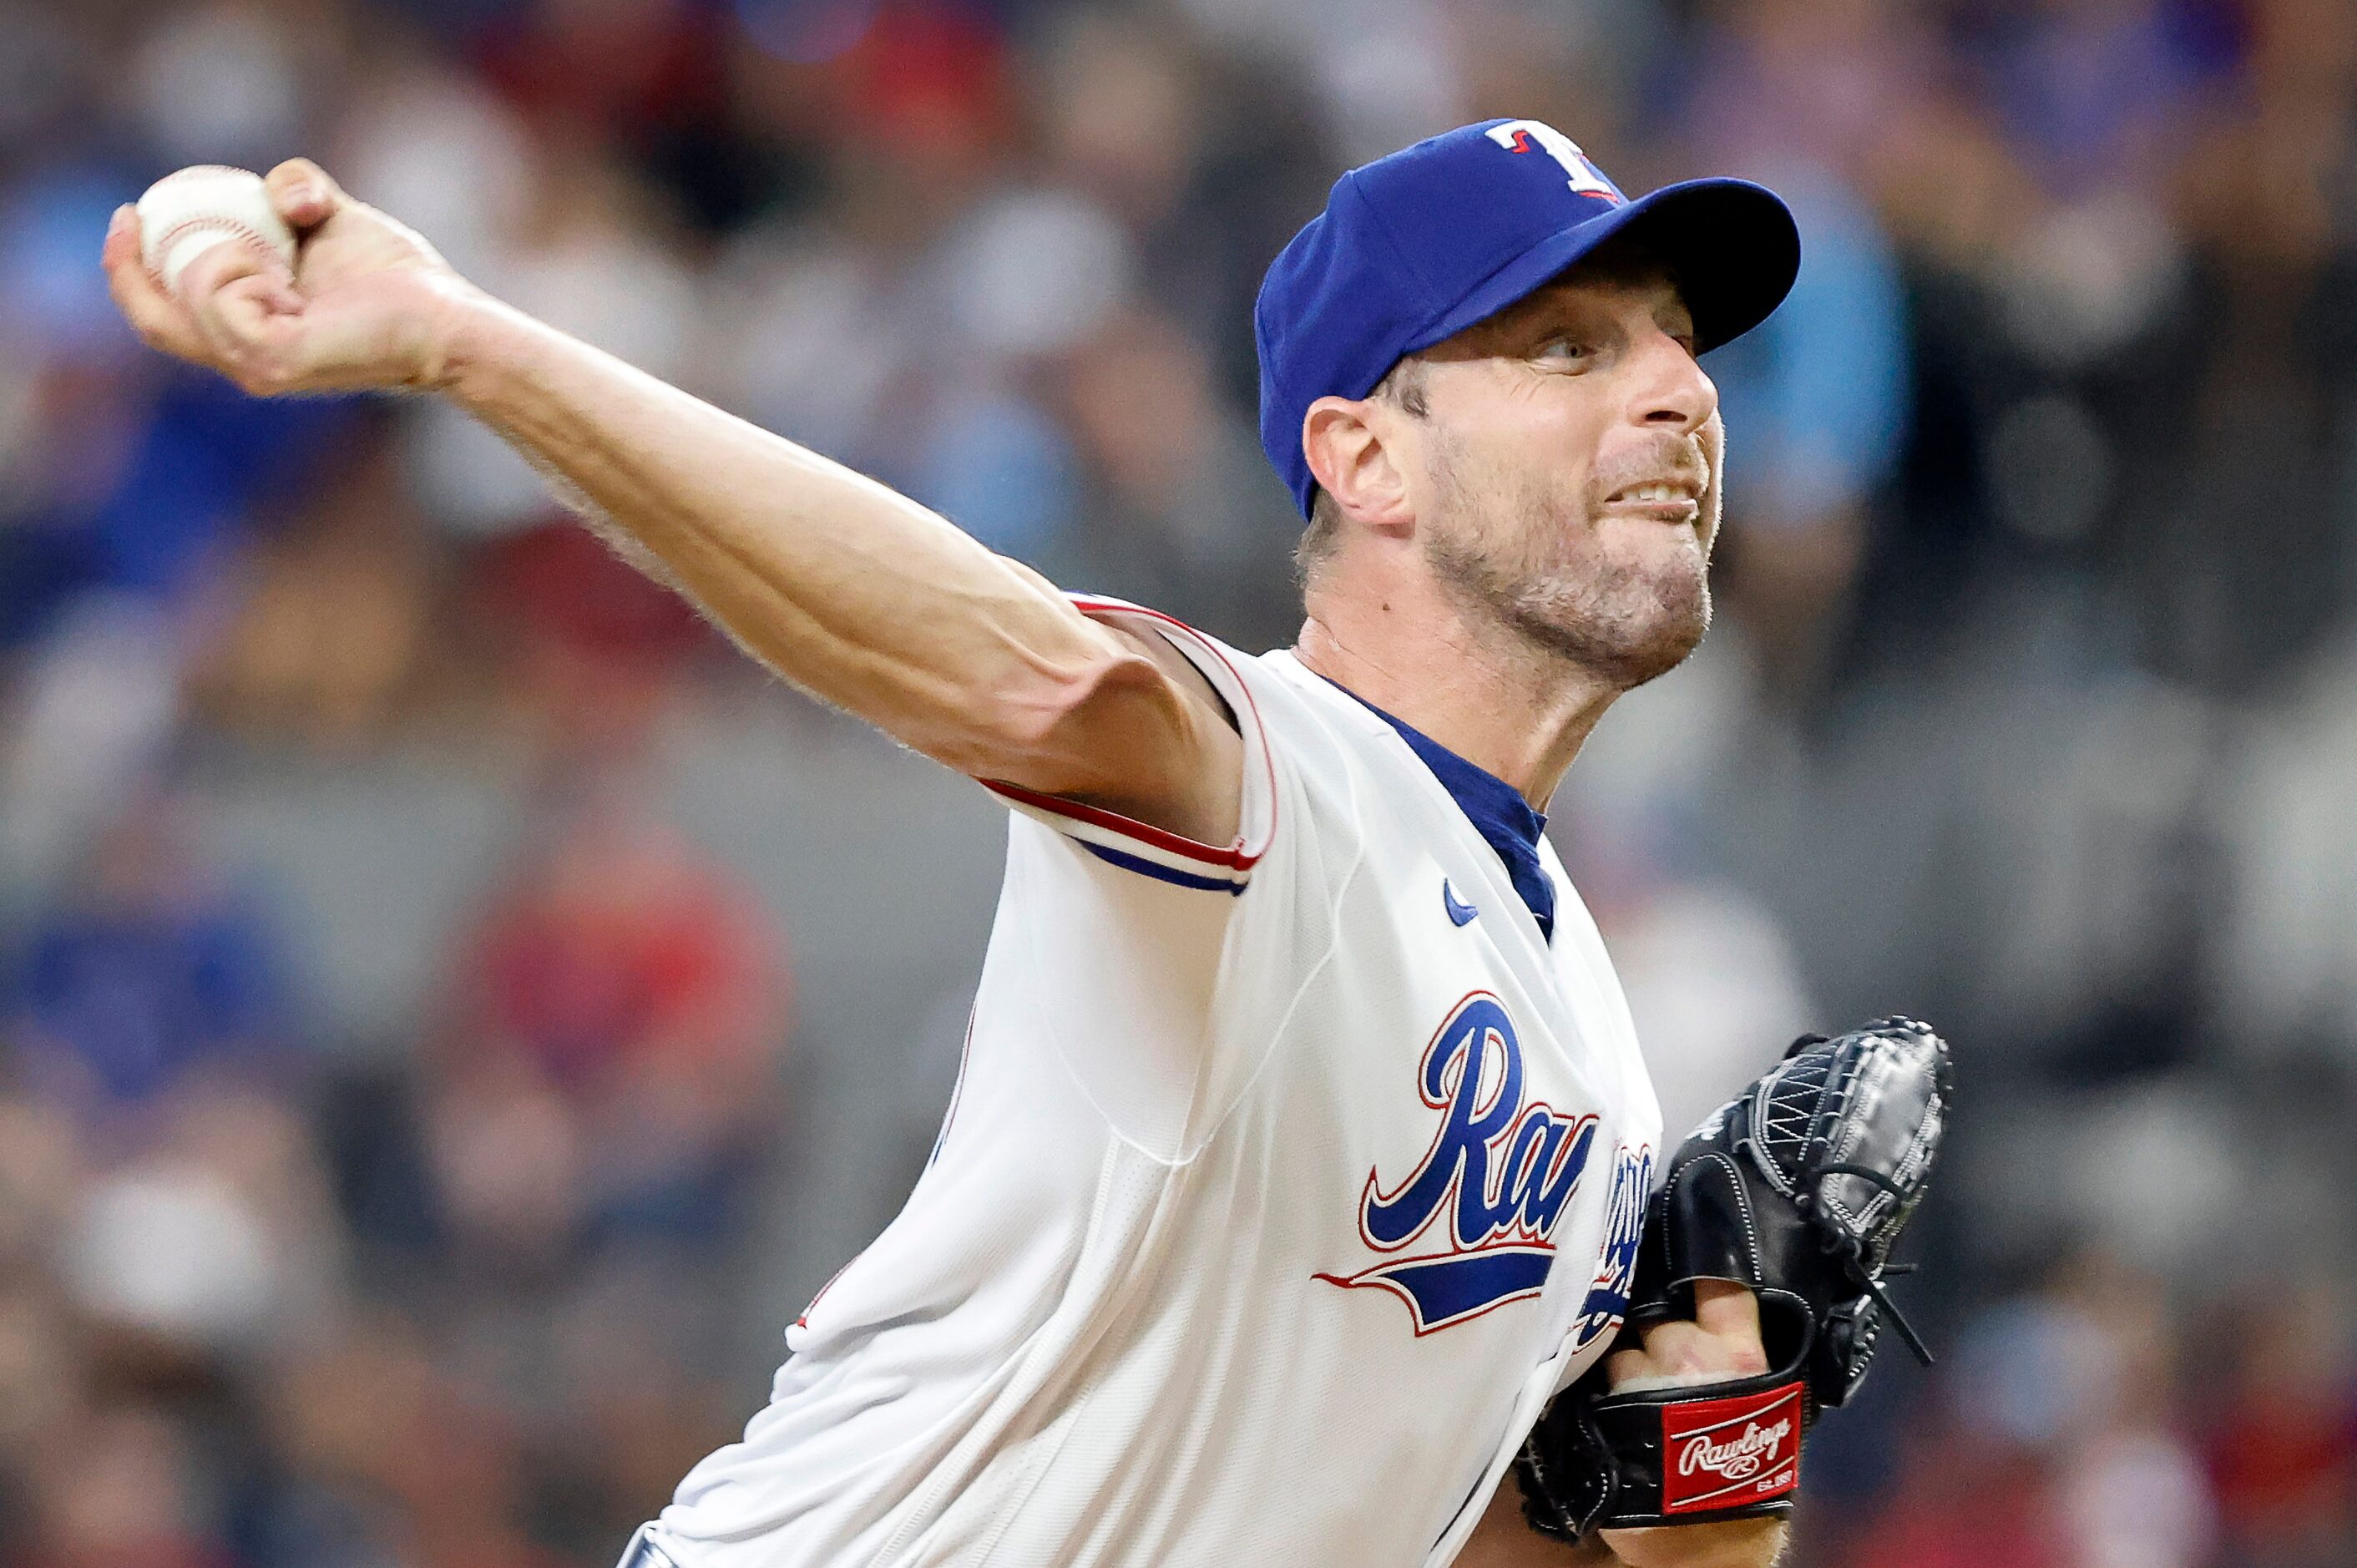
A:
x: 1560, y: 478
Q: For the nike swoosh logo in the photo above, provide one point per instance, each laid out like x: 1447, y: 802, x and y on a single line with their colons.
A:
x: 1458, y: 913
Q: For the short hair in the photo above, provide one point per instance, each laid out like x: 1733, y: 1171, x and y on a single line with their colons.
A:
x: 1403, y: 386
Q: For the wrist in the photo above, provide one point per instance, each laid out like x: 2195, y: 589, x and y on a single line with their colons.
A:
x: 469, y: 339
x: 1733, y: 1543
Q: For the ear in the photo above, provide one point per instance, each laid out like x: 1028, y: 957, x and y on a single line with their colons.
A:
x: 1351, y: 462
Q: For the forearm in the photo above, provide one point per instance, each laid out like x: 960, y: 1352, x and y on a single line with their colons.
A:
x: 1503, y: 1540
x: 1738, y: 1543
x: 854, y: 593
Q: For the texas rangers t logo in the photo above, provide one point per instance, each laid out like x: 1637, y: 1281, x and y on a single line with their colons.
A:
x: 1522, y: 135
x: 1491, y: 1189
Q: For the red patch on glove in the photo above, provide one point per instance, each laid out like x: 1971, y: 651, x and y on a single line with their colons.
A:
x: 1720, y: 1454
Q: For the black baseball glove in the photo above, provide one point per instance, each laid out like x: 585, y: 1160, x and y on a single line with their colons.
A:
x: 1796, y: 1189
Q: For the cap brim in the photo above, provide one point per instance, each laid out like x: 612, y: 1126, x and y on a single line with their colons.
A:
x: 1732, y: 246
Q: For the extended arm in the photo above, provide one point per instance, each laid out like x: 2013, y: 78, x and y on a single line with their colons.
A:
x: 852, y: 591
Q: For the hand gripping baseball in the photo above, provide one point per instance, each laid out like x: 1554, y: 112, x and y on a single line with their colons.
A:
x: 1791, y: 1194
x: 368, y: 304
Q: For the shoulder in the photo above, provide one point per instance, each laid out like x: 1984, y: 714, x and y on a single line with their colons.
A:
x: 1316, y: 764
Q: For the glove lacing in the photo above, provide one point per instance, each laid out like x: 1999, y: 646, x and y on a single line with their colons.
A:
x: 1834, y: 1235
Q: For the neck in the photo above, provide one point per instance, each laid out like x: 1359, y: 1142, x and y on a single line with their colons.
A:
x: 1516, y: 711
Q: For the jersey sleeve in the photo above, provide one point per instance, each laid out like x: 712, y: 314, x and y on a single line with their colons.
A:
x: 1141, y: 848
x: 1116, y: 939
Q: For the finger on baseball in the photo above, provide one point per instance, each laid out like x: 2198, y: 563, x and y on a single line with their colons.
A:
x: 233, y: 260
x: 303, y: 193
x: 161, y: 321
x: 262, y: 348
x: 242, y: 303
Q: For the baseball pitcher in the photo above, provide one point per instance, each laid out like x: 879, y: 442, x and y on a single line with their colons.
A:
x: 1302, y: 1151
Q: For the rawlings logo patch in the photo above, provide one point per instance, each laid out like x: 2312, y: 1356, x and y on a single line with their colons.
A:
x: 1721, y: 1453
x: 1491, y: 1189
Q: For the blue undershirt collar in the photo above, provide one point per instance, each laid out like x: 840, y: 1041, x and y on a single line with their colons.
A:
x: 1495, y: 807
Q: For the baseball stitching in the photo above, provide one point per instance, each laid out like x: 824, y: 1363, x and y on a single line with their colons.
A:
x: 228, y: 228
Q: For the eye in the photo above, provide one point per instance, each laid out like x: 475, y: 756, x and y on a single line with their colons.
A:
x: 1563, y: 350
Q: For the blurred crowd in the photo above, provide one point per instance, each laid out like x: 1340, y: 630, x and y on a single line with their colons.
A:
x: 453, y: 1011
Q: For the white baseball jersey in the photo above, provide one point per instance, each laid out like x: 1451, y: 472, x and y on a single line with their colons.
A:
x: 1285, y: 1181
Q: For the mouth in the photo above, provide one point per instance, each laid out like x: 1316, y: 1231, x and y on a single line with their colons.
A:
x: 1675, y: 499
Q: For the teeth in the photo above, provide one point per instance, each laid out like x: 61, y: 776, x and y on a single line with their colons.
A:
x: 1655, y: 493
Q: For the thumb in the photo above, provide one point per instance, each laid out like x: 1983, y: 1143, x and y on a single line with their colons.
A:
x: 304, y: 194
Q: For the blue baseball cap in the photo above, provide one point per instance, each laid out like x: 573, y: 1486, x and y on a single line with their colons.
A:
x: 1416, y: 247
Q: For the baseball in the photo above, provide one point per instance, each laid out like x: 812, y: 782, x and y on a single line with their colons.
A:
x: 184, y: 215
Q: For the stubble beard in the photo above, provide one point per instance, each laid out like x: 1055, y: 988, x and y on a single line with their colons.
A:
x: 1549, y: 584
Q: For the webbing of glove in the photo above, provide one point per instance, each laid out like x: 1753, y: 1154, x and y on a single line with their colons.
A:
x: 1801, y: 1186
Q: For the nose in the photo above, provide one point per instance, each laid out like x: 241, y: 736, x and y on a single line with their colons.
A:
x: 1671, y: 390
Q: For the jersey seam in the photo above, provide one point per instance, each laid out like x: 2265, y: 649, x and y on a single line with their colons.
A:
x: 1245, y: 848
x: 931, y: 1506
x: 1292, y: 1004
x: 1060, y: 1047
x: 1081, y: 1397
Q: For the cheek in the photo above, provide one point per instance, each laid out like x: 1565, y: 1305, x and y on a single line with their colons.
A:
x: 1572, y: 432
x: 1546, y: 439
x: 1516, y: 476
